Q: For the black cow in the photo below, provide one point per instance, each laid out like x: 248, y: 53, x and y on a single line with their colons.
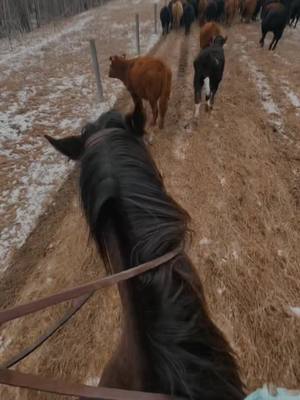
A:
x: 165, y: 19
x: 295, y: 13
x: 188, y: 17
x: 209, y: 68
x: 194, y: 4
x: 215, y: 10
x: 275, y: 19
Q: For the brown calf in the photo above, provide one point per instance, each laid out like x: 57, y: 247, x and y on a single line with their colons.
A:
x: 208, y: 32
x: 145, y: 78
x: 231, y: 9
x: 202, y: 4
x: 247, y: 9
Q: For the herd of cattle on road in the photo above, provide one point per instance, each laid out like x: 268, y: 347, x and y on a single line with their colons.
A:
x: 148, y: 78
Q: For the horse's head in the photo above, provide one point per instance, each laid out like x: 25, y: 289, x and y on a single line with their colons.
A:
x: 117, y: 66
x: 220, y: 40
x: 73, y: 146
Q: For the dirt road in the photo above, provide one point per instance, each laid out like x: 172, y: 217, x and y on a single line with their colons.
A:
x: 237, y: 173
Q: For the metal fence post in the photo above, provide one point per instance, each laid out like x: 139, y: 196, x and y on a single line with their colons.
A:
x: 137, y: 30
x: 155, y: 17
x: 96, y: 69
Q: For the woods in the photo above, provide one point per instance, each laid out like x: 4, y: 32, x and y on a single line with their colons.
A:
x: 20, y: 16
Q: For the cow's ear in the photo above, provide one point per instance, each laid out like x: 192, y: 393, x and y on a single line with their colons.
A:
x: 71, y: 147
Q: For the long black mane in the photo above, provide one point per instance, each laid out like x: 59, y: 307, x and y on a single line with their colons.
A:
x: 121, y: 188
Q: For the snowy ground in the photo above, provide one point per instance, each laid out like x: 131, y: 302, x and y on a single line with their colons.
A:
x: 47, y: 86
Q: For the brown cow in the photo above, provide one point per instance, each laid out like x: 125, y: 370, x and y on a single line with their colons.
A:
x: 145, y: 78
x: 247, y: 9
x: 208, y: 32
x: 202, y: 4
x: 231, y: 8
x: 177, y: 13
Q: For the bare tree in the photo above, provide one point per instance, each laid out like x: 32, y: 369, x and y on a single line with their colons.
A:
x: 25, y: 15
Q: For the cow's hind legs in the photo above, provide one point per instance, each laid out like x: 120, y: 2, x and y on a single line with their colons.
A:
x: 154, y: 108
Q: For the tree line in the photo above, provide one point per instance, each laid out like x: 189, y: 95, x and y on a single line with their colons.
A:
x: 25, y: 15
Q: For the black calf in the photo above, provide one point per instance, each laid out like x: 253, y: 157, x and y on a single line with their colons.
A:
x: 215, y: 10
x: 165, y: 19
x: 295, y: 13
x: 209, y: 64
x: 188, y: 17
x: 194, y: 4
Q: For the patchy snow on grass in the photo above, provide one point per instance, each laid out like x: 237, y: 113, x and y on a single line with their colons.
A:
x: 292, y: 97
x: 295, y: 311
x: 32, y: 167
x: 13, y: 125
x: 180, y: 144
x: 4, y: 343
x: 24, y: 51
x: 265, y: 92
x: 36, y: 181
x: 205, y: 241
x: 92, y: 381
x: 30, y: 194
x: 152, y: 41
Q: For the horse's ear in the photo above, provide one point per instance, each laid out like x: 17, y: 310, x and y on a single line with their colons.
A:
x: 110, y: 58
x: 225, y: 39
x: 124, y: 55
x: 71, y: 147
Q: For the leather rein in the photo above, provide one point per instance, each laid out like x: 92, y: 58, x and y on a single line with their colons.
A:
x: 82, y: 294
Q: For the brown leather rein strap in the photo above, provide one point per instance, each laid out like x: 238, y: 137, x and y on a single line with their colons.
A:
x: 77, y: 304
x: 34, y: 382
x: 28, y: 381
x: 69, y: 294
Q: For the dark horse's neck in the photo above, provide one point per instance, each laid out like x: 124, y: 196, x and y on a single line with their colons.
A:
x: 128, y: 368
x: 168, y: 343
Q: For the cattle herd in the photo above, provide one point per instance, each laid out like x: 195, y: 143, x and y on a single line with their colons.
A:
x: 148, y: 78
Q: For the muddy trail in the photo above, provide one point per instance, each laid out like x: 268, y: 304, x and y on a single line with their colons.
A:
x: 236, y: 171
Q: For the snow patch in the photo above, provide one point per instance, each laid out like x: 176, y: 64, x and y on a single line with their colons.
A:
x: 222, y: 181
x: 295, y: 311
x: 220, y: 291
x: 22, y: 52
x: 293, y: 98
x: 180, y: 145
x: 30, y: 195
x: 265, y: 93
x: 204, y: 241
x: 4, y: 343
x: 92, y: 381
x: 36, y: 169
